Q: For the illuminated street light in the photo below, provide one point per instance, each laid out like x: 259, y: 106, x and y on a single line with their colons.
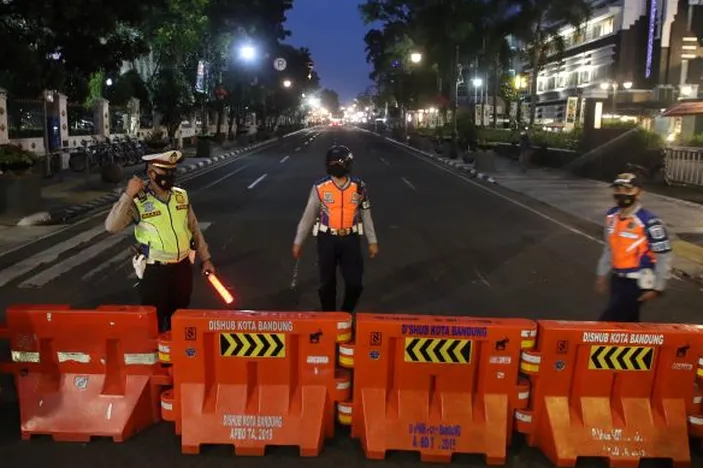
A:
x: 477, y: 82
x: 108, y: 82
x: 247, y: 52
x: 627, y: 85
x: 314, y: 101
x: 287, y: 83
x: 604, y: 86
x: 416, y: 57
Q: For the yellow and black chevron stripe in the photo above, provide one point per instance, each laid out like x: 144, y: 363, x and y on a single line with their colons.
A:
x: 259, y: 345
x: 439, y: 350
x: 623, y: 358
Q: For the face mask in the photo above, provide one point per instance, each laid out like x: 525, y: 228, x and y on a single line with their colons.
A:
x: 165, y: 181
x: 624, y: 200
x: 337, y: 170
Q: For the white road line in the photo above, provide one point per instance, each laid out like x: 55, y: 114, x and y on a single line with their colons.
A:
x: 133, y: 276
x: 298, y: 148
x: 284, y: 159
x: 383, y: 160
x: 256, y: 182
x: 226, y: 176
x: 497, y: 194
x: 48, y: 255
x: 70, y: 263
x: 408, y: 183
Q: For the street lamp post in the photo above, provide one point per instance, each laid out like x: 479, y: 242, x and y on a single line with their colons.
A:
x: 287, y: 83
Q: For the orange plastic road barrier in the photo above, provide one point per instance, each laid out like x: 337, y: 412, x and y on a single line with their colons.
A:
x: 435, y: 385
x: 254, y: 379
x: 617, y: 391
x: 84, y: 373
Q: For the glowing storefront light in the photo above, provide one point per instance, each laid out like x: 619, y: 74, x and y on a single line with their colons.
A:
x: 650, y: 38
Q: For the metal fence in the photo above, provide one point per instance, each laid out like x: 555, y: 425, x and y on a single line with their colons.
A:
x: 683, y: 166
x: 25, y: 118
x: 81, y: 120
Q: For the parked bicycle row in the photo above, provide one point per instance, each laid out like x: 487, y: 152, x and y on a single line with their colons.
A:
x: 124, y: 151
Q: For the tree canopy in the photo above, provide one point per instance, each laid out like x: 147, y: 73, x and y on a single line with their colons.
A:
x: 458, y: 40
x: 83, y: 47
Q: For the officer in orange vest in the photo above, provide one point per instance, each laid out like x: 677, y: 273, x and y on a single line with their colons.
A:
x: 637, y: 256
x: 339, y: 213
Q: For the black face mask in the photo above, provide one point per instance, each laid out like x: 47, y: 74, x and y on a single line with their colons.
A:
x: 165, y: 181
x: 624, y: 200
x: 337, y: 170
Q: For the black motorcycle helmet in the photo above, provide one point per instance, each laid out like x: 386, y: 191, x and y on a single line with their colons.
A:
x: 339, y: 160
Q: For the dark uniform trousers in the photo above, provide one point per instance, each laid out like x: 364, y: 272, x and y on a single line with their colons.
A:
x: 624, y: 305
x: 344, y: 251
x: 168, y: 287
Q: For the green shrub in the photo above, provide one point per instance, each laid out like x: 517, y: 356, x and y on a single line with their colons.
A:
x: 697, y: 140
x: 15, y: 158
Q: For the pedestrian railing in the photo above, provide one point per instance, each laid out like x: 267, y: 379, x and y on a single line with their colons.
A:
x: 683, y: 166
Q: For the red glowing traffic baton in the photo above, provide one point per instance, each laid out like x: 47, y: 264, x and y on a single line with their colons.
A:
x: 221, y: 290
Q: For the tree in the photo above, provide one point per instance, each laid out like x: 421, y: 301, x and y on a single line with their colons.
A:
x: 539, y: 25
x: 329, y: 100
x: 61, y: 49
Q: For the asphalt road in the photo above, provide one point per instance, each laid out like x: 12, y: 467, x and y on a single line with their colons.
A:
x: 447, y: 246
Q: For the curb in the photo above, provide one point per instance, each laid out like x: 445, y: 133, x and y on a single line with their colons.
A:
x: 63, y: 214
x: 453, y: 163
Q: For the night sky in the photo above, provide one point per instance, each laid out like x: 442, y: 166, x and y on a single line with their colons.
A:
x: 334, y: 33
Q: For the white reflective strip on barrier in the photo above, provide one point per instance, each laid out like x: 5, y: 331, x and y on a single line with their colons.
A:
x: 343, y: 385
x: 531, y: 358
x: 164, y: 348
x: 65, y: 356
x: 528, y: 333
x: 141, y: 359
x: 697, y: 399
x: 526, y: 418
x: 700, y: 362
x: 25, y: 356
x: 344, y: 409
x: 523, y: 395
x: 346, y: 351
x: 166, y: 405
x: 695, y: 420
x: 344, y: 325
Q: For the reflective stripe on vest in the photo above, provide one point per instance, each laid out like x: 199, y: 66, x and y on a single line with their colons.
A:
x: 163, y: 227
x: 629, y: 245
x: 339, y: 206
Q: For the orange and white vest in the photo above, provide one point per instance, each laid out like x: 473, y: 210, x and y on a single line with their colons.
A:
x: 340, y: 206
x: 634, y: 240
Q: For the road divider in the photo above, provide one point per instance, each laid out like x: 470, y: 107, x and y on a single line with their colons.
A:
x: 428, y: 384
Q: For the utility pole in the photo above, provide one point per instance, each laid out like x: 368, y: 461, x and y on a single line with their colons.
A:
x: 454, y: 151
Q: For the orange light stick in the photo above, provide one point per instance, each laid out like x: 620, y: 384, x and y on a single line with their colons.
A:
x: 221, y: 290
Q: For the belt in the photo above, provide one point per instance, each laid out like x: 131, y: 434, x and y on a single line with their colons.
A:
x: 342, y: 232
x: 156, y: 262
x: 629, y: 275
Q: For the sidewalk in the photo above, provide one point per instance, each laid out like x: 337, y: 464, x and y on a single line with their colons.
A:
x: 589, y: 199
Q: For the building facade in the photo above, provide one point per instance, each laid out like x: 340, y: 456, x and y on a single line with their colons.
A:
x: 639, y: 54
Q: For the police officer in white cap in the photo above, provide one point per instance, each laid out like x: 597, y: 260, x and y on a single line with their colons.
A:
x: 167, y: 235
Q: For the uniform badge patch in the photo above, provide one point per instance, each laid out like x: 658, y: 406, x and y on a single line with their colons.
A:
x: 180, y: 198
x: 148, y: 206
x: 328, y: 197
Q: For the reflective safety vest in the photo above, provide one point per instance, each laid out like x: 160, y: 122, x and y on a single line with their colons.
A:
x: 339, y: 207
x: 162, y: 230
x: 633, y: 241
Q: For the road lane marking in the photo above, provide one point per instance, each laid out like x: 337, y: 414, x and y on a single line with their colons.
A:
x: 383, y: 160
x: 284, y: 159
x: 256, y: 182
x: 48, y: 256
x: 102, y: 212
x: 411, y: 151
x: 84, y: 256
x: 226, y: 176
x: 298, y: 148
x: 408, y: 183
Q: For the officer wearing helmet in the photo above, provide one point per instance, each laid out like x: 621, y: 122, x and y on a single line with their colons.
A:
x: 637, y: 256
x: 338, y: 212
x: 167, y: 235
